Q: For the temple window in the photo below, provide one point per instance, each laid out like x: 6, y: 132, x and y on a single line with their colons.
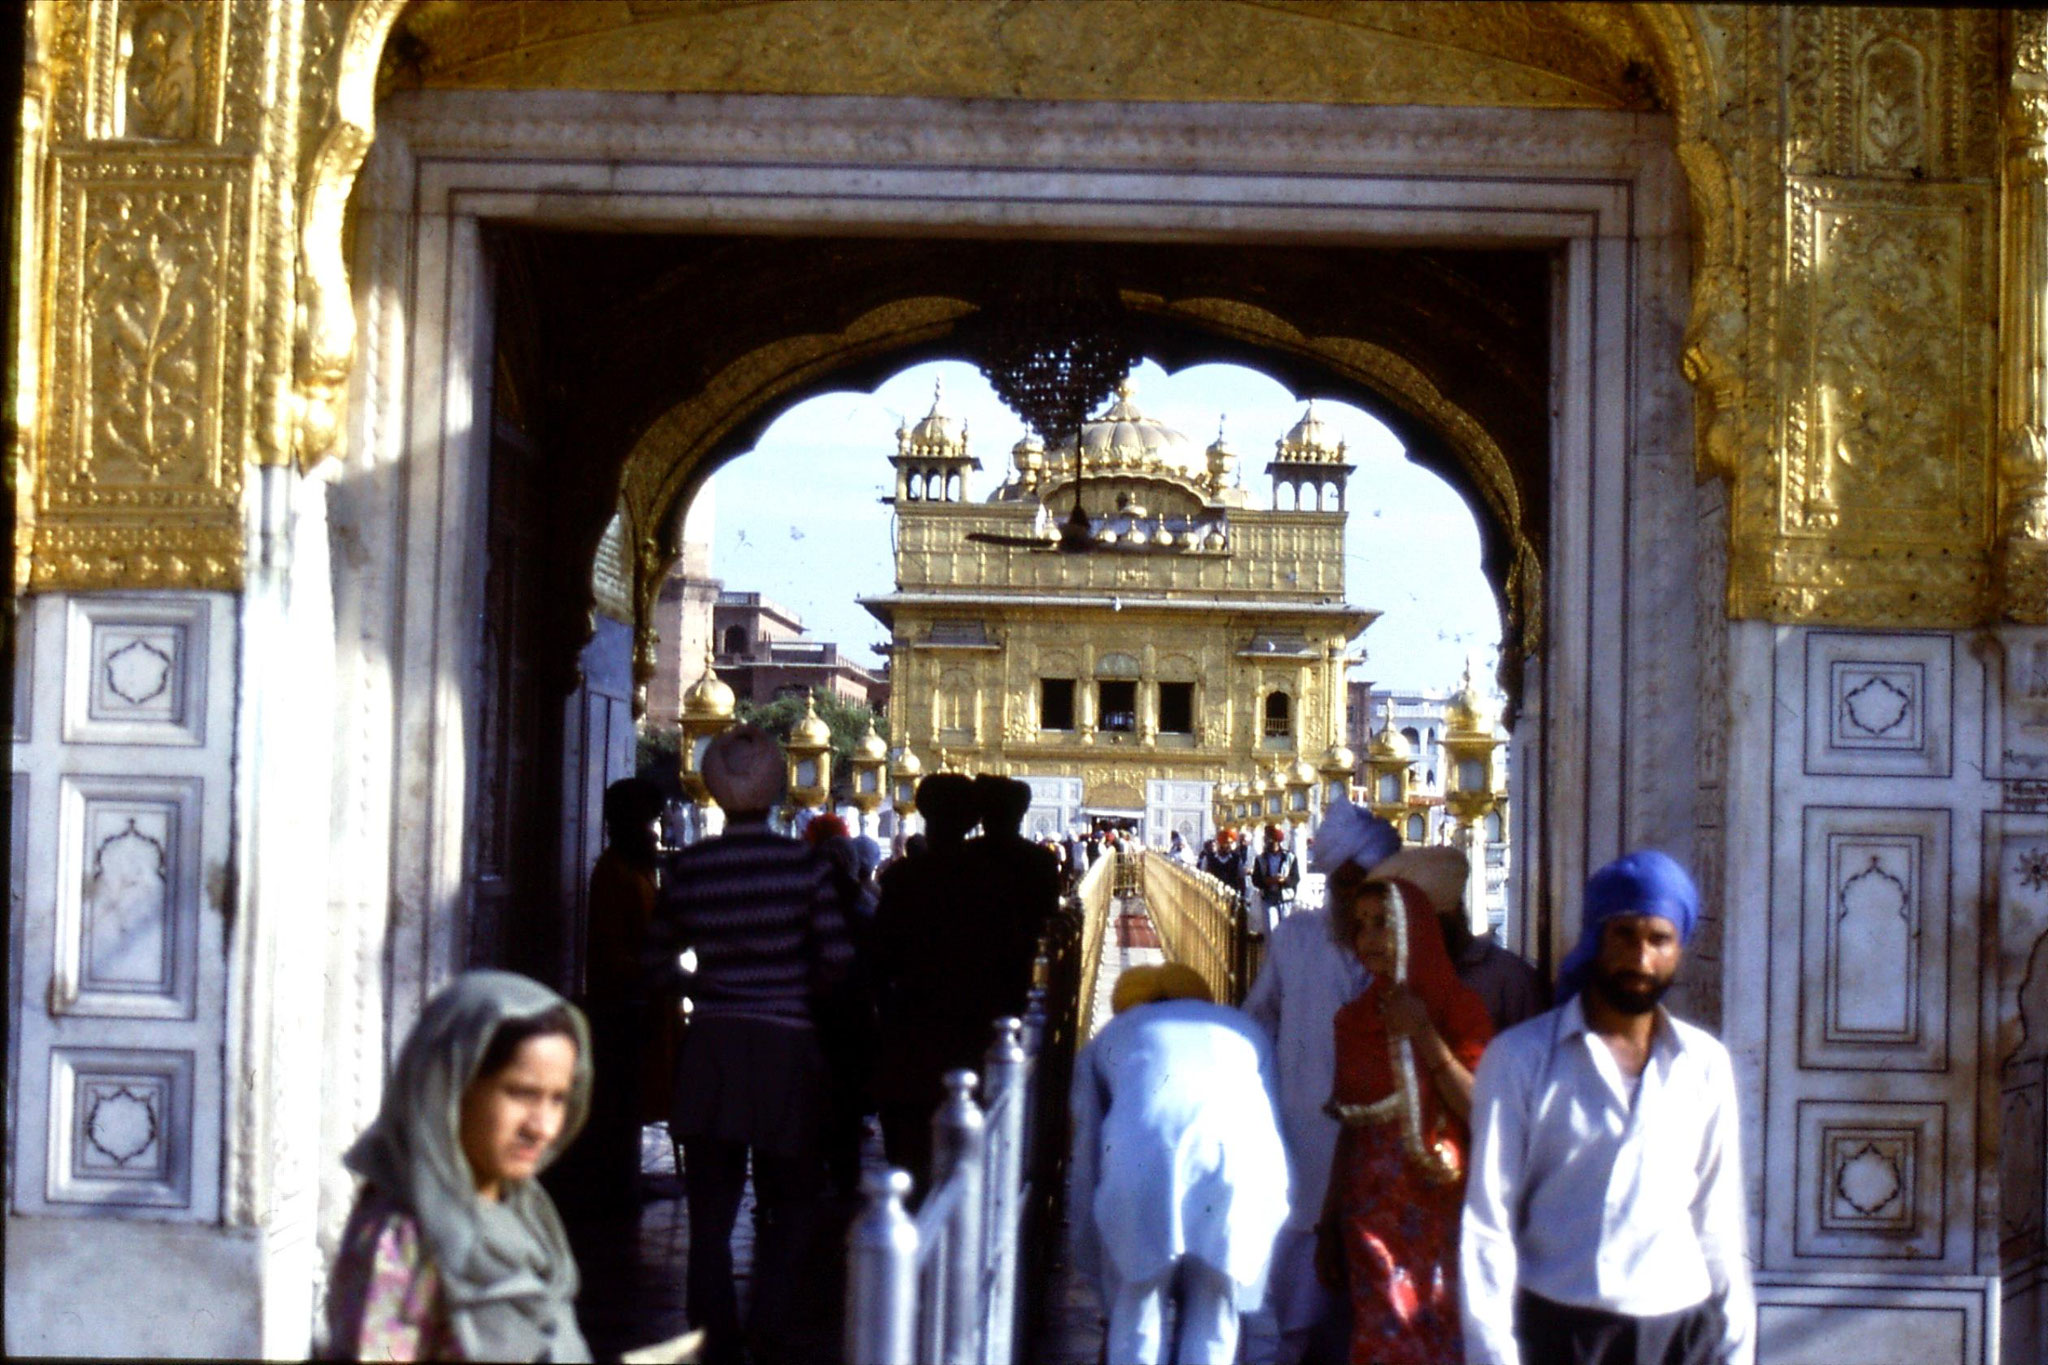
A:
x: 1278, y: 716
x: 1418, y: 829
x: 1176, y: 708
x: 1055, y: 703
x: 735, y: 640
x: 1118, y: 705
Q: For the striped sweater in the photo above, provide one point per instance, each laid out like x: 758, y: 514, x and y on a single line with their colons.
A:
x: 764, y: 915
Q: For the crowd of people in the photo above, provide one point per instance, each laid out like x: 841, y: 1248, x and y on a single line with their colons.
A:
x: 1395, y: 1151
x: 1469, y: 1173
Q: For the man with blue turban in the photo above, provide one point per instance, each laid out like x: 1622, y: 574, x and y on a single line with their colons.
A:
x: 1604, y: 1216
x: 1305, y: 979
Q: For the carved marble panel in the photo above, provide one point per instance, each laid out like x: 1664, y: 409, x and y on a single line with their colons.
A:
x: 1874, y: 939
x: 1885, y: 406
x: 1879, y: 704
x: 2016, y: 865
x: 116, y: 1117
x: 136, y: 671
x: 1871, y: 1180
x: 128, y: 897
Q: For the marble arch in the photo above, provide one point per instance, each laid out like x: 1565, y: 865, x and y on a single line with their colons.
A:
x: 1797, y: 172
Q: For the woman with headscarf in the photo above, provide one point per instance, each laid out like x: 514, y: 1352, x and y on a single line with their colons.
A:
x: 453, y: 1251
x: 1403, y: 1092
x: 1179, y: 1180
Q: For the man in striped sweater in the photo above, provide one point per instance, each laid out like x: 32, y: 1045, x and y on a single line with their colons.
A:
x: 764, y: 916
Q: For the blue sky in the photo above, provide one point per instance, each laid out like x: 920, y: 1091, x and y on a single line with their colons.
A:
x: 799, y: 517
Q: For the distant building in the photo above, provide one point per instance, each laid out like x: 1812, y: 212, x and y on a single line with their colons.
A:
x: 763, y: 653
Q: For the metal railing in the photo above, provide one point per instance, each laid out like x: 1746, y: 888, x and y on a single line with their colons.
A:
x: 1094, y: 895
x: 958, y: 1283
x: 1201, y: 923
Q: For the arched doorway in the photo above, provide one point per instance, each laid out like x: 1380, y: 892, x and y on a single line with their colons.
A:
x: 1527, y: 271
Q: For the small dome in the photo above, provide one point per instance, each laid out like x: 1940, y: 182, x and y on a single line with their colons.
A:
x: 938, y: 433
x: 1028, y: 455
x: 708, y: 698
x: 1339, y: 756
x: 1309, y: 440
x: 871, y: 747
x: 1389, y: 742
x: 907, y: 764
x: 811, y: 732
x: 1220, y: 457
x: 1471, y: 711
x: 1302, y: 774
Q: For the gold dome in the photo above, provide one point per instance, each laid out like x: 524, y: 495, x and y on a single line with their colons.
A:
x: 907, y: 764
x: 1471, y: 711
x: 708, y: 698
x: 1302, y: 774
x: 1309, y: 440
x: 1337, y: 756
x: 810, y: 732
x: 871, y: 748
x: 1220, y: 457
x: 1125, y: 440
x: 1389, y: 742
x: 1028, y: 455
x: 938, y: 434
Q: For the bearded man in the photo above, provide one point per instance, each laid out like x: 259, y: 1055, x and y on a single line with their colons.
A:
x: 1604, y: 1220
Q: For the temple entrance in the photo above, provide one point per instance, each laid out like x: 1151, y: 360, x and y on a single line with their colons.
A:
x: 524, y: 363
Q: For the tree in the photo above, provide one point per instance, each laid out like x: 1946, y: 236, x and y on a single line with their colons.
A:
x: 847, y: 720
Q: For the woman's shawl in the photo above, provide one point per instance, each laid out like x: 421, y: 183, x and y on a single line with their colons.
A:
x: 508, y: 1278
x: 1365, y: 1070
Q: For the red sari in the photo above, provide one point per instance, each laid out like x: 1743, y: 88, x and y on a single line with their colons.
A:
x: 1399, y: 1222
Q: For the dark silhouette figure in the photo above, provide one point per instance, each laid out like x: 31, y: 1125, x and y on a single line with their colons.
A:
x: 949, y: 955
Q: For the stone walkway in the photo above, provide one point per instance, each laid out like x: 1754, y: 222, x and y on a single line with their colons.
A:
x: 633, y: 1262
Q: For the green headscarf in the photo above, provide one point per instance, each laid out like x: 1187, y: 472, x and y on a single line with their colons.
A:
x: 507, y: 1275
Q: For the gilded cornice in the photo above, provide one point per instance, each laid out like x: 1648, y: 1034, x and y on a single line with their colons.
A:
x: 184, y: 209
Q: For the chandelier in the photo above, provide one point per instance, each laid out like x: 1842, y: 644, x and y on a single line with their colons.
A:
x: 1054, y: 348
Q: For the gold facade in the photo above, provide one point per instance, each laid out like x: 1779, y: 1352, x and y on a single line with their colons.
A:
x: 1234, y: 620
x: 1870, y: 237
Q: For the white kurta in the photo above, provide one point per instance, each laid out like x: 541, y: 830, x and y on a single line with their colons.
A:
x: 1176, y: 1148
x: 1306, y: 979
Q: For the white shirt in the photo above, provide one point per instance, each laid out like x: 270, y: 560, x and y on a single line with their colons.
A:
x: 1305, y: 979
x: 1176, y: 1152
x: 1588, y: 1200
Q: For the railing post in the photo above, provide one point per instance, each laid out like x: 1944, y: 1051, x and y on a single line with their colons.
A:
x: 881, y: 1309
x: 958, y: 1149
x: 1009, y: 1096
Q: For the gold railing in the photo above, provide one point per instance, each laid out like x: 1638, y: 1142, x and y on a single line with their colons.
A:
x: 1093, y: 895
x: 1201, y: 922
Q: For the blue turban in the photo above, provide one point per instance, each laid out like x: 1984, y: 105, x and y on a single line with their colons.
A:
x: 1351, y: 835
x: 1645, y: 882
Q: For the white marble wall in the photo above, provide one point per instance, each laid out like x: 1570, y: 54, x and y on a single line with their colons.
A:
x: 123, y: 746
x: 1856, y: 1002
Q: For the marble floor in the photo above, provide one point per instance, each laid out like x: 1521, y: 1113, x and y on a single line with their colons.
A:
x: 633, y: 1261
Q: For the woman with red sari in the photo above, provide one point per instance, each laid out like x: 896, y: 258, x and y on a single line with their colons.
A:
x: 1403, y: 1093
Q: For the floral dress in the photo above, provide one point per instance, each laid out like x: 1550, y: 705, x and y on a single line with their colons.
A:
x: 1399, y: 1223
x: 384, y: 1299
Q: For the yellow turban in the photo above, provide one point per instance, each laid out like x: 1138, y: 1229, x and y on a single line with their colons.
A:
x: 1168, y: 981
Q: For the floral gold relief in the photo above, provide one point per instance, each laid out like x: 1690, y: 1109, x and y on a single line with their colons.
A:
x: 152, y: 272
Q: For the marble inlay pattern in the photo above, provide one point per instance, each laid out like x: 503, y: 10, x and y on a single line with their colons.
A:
x: 1878, y: 704
x: 128, y: 898
x: 1872, y: 1179
x: 1875, y: 940
x: 136, y: 672
x: 114, y: 1120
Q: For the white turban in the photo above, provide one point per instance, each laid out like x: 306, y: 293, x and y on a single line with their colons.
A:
x: 1349, y: 834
